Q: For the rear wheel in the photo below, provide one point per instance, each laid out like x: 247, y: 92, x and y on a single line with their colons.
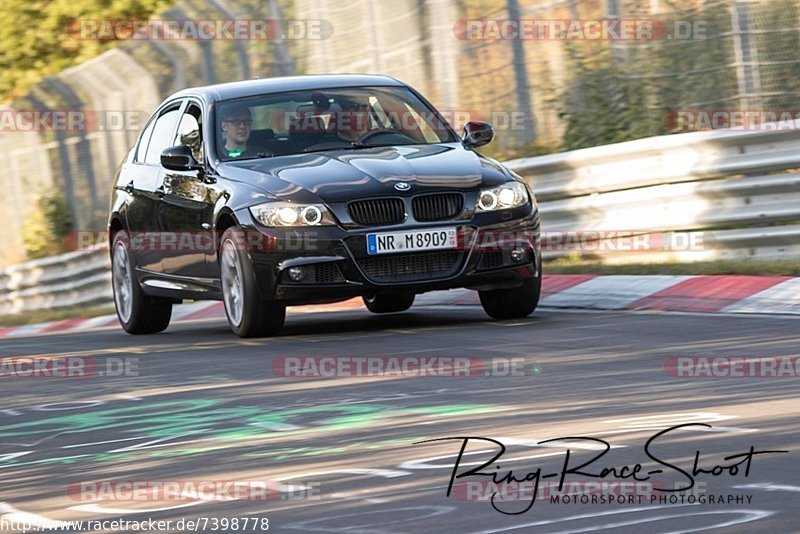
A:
x: 248, y: 316
x: 389, y: 302
x: 138, y: 313
x: 513, y: 303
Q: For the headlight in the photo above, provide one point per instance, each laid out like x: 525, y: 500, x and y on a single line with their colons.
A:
x: 509, y: 195
x: 288, y: 214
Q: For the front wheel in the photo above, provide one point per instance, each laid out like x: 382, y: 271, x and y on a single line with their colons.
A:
x: 247, y: 315
x: 138, y: 313
x: 389, y: 302
x: 513, y: 303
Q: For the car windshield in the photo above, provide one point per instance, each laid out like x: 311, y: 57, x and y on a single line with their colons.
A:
x: 349, y: 118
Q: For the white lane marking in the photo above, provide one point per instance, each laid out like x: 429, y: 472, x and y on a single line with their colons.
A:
x: 719, y: 429
x: 769, y: 486
x: 163, y: 442
x: 425, y: 463
x: 129, y: 397
x: 98, y: 443
x: 371, y: 528
x: 280, y: 427
x: 749, y: 515
x: 35, y: 443
x: 11, y: 456
x: 663, y: 421
x: 385, y: 473
x: 12, y: 515
x: 730, y: 429
x: 646, y: 422
x: 93, y: 508
x: 64, y: 406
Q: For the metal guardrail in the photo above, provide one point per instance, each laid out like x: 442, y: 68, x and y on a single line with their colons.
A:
x: 716, y: 185
x: 75, y: 278
x: 722, y: 188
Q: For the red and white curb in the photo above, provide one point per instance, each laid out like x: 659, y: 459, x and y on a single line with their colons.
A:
x: 702, y: 294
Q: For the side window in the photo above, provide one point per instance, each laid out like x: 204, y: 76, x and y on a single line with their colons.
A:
x: 189, y: 132
x: 141, y: 150
x: 162, y: 135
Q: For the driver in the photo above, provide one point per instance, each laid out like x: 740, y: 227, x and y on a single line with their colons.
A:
x: 353, y: 121
x: 236, y: 123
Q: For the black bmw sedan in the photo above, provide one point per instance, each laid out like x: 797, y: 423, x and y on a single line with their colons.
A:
x: 314, y: 189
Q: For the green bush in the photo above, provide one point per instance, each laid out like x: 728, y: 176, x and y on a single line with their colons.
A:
x: 43, y: 37
x: 47, y: 226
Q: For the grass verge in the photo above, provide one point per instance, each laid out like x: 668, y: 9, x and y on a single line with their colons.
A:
x: 45, y: 316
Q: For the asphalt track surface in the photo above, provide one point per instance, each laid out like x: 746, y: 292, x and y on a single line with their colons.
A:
x: 206, y: 405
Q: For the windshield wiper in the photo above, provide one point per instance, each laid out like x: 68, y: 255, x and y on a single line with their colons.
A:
x: 356, y: 144
x: 260, y: 155
x: 325, y: 148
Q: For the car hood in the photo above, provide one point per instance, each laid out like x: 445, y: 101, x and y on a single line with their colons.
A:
x: 344, y: 175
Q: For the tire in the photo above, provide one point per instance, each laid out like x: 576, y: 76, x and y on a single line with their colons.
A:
x: 514, y: 303
x: 138, y: 313
x: 247, y: 315
x: 389, y: 302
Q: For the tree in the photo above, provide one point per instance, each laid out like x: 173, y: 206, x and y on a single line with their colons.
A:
x: 47, y: 226
x: 43, y: 37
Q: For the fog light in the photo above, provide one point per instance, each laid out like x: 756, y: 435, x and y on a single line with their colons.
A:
x: 296, y: 273
x: 518, y: 254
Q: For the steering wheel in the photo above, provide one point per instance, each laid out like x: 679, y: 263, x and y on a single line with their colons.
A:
x: 385, y: 131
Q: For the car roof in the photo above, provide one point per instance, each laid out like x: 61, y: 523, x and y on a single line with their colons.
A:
x: 242, y: 89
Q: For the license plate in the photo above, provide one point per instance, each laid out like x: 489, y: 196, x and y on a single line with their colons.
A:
x: 437, y: 239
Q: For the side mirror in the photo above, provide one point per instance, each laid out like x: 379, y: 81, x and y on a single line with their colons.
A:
x: 179, y: 158
x: 477, y: 134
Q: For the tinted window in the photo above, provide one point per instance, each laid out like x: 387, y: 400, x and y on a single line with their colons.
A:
x: 141, y: 150
x: 349, y: 118
x: 189, y: 131
x: 162, y: 135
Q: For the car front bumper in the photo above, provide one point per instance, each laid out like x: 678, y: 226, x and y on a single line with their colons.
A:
x: 336, y: 264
